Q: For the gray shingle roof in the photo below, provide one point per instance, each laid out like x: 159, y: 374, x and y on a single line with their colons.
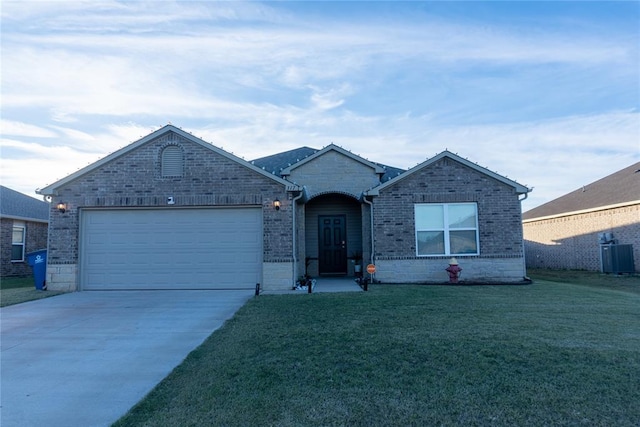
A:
x: 620, y: 187
x: 17, y: 205
x: 276, y: 162
x: 280, y: 161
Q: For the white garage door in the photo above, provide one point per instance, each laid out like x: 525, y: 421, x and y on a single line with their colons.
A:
x: 171, y: 249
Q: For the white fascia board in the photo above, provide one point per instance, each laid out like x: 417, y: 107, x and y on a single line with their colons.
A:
x: 25, y: 218
x: 583, y: 211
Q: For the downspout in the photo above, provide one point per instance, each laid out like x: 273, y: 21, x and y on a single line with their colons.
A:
x: 295, y: 237
x: 364, y: 199
x: 524, y: 255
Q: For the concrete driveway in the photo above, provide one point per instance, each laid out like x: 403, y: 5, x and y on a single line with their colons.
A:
x: 85, y: 358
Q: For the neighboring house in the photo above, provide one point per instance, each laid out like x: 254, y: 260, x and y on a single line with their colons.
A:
x: 23, y: 227
x: 567, y: 232
x: 171, y: 211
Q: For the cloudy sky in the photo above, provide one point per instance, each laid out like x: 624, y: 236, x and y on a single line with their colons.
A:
x: 546, y: 93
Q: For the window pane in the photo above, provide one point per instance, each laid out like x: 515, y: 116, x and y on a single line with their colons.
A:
x: 18, y: 235
x: 430, y: 242
x: 429, y: 217
x: 462, y: 216
x: 16, y: 253
x: 463, y: 242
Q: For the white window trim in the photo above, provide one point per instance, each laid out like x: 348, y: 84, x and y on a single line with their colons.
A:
x: 22, y: 225
x: 446, y: 230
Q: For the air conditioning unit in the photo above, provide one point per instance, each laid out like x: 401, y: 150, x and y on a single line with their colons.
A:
x: 617, y: 259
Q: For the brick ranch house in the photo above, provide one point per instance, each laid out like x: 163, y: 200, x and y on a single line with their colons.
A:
x: 171, y: 211
x: 567, y: 232
x: 23, y: 229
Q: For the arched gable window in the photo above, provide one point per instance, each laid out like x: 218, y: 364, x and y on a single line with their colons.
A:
x: 172, y: 161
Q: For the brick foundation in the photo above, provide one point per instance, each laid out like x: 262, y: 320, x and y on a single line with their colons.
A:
x: 432, y: 270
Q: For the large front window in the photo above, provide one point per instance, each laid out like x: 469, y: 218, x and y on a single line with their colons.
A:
x: 17, y: 241
x: 446, y: 229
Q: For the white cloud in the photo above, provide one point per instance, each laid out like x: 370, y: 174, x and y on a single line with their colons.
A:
x: 74, y: 134
x: 96, y: 16
x: 555, y: 156
x: 34, y: 165
x: 257, y: 79
x: 331, y: 98
x: 591, y: 146
x: 15, y: 128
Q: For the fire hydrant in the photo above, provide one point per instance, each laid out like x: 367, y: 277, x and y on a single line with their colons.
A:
x: 453, y: 270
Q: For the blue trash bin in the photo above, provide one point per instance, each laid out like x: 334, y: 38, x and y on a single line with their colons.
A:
x: 38, y: 260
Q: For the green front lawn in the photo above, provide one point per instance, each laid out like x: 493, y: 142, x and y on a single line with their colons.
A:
x: 619, y: 282
x: 15, y: 290
x: 542, y: 354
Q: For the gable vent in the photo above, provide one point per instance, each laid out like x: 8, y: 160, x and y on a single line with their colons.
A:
x: 172, y: 161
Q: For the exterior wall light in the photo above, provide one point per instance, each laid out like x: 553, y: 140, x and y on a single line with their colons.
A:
x: 276, y: 204
x: 62, y: 207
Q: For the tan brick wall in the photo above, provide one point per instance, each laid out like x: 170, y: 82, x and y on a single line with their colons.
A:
x: 571, y: 242
x: 335, y: 171
x: 448, y: 181
x: 135, y: 180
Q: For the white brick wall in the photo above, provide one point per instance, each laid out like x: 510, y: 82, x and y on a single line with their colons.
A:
x: 62, y: 277
x: 277, y: 276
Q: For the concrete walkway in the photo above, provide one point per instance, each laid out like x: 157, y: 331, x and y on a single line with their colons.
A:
x: 85, y: 358
x: 325, y: 285
x: 337, y: 284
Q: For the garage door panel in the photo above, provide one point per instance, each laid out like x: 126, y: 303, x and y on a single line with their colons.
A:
x: 171, y: 249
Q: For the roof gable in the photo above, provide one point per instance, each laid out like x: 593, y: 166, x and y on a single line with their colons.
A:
x: 276, y: 163
x: 14, y: 204
x: 621, y: 187
x: 520, y: 189
x: 332, y: 147
x: 51, y: 189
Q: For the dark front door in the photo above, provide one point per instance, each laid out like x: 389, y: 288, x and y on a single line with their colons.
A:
x: 332, y: 241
